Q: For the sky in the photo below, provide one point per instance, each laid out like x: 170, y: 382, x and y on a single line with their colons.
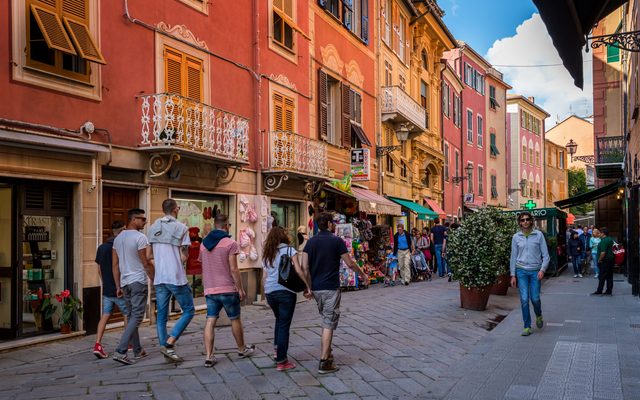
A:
x: 511, y: 35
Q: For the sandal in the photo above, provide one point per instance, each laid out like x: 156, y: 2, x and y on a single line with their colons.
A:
x: 210, y: 362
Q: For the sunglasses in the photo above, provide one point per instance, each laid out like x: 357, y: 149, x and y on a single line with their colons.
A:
x: 525, y: 219
x: 142, y: 218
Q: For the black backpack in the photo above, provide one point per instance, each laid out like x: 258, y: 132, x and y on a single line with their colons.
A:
x: 287, y: 275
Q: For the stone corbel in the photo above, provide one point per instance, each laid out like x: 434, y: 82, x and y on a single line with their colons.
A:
x: 161, y: 163
x: 224, y: 176
x: 273, y: 182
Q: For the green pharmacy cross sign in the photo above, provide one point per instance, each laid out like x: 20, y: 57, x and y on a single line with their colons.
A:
x: 529, y: 205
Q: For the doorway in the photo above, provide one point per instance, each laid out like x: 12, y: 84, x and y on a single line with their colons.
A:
x: 287, y: 215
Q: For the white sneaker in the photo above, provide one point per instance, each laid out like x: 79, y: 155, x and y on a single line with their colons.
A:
x: 575, y: 276
x: 579, y: 275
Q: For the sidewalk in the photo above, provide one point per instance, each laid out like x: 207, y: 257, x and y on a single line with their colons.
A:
x: 588, y: 349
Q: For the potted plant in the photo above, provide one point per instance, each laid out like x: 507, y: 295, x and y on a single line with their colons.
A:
x: 43, y: 310
x: 506, y: 227
x: 475, y: 252
x: 70, y: 306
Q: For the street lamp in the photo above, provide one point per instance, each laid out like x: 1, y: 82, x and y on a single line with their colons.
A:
x: 468, y: 169
x: 402, y: 134
x: 522, y: 184
x: 571, y: 148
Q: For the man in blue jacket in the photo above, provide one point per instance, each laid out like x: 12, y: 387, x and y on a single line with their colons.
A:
x: 403, y: 248
x: 529, y: 261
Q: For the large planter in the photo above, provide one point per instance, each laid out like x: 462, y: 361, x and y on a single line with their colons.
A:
x: 474, y: 298
x: 65, y: 328
x: 501, y: 286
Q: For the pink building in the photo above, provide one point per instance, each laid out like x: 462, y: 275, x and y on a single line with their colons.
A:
x: 452, y: 88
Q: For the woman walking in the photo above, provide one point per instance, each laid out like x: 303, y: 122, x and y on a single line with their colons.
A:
x: 575, y: 251
x: 281, y: 300
x: 593, y: 244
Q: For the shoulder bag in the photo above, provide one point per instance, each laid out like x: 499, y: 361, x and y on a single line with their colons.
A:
x: 287, y: 275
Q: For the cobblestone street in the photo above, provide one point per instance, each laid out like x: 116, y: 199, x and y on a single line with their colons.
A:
x: 391, y: 343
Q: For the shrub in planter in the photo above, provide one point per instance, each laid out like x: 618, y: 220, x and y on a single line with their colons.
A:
x: 506, y: 226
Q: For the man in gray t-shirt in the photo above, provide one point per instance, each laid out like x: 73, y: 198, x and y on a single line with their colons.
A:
x: 130, y: 270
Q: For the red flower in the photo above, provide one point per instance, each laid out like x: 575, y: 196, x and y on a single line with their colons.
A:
x: 65, y: 293
x: 59, y: 298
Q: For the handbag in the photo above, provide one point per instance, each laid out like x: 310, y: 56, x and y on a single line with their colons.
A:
x: 287, y: 275
x: 618, y: 254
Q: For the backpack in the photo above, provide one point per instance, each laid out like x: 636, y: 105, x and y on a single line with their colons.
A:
x: 287, y: 275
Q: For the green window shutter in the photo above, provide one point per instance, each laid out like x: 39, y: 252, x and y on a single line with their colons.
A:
x: 613, y: 54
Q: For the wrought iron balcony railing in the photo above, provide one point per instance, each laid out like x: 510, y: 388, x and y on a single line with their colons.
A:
x: 177, y: 122
x: 396, y: 101
x: 610, y: 150
x: 290, y: 152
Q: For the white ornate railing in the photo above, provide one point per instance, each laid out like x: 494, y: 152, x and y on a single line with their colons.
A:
x: 289, y: 151
x: 170, y: 120
x: 395, y: 100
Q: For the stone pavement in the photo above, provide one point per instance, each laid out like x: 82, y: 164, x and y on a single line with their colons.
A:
x: 391, y: 343
x: 588, y: 349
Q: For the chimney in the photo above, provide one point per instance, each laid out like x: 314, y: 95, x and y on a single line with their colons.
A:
x: 532, y: 99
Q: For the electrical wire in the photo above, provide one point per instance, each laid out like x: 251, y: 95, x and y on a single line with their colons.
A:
x: 533, y: 66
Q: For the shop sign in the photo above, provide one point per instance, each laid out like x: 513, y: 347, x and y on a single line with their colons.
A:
x: 468, y: 198
x: 360, y: 164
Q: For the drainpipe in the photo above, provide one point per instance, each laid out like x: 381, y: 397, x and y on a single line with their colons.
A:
x: 257, y: 98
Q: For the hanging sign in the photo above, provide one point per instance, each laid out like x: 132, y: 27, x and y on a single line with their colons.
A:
x: 468, y: 197
x: 360, y: 164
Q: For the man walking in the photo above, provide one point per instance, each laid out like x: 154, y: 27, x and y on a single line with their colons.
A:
x: 110, y: 299
x: 529, y: 261
x: 606, y: 260
x: 439, y: 240
x: 402, y: 249
x: 170, y: 242
x: 222, y: 286
x: 321, y: 263
x: 131, y: 268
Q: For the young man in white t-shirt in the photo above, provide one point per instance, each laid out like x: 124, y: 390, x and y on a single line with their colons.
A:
x: 130, y: 270
x: 170, y: 241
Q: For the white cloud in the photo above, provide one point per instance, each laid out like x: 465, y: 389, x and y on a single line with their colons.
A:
x: 454, y: 7
x: 552, y: 86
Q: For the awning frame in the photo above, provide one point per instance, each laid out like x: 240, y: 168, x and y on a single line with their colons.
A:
x: 423, y: 212
x: 590, y: 195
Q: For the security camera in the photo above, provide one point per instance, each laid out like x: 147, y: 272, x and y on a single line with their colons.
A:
x: 88, y: 127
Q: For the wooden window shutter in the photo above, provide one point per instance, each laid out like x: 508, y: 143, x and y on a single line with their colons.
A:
x: 74, y: 15
x: 52, y: 29
x: 75, y: 8
x: 323, y: 92
x: 346, y: 115
x: 278, y: 112
x: 383, y: 20
x: 172, y: 71
x: 396, y: 28
x: 289, y: 114
x: 194, y: 79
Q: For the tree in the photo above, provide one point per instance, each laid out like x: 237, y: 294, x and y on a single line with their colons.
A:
x: 578, y: 185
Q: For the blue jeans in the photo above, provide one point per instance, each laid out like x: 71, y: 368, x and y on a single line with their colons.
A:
x: 594, y: 262
x: 576, y: 262
x: 183, y: 295
x: 442, y: 263
x: 229, y: 301
x: 283, y: 304
x: 529, y: 287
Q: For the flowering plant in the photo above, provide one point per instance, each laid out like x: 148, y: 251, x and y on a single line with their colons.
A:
x: 478, y: 252
x: 70, y: 304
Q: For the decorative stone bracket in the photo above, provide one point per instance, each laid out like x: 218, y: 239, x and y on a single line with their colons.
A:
x: 161, y: 163
x: 273, y: 182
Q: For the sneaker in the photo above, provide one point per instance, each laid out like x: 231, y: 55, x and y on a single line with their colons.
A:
x: 210, y: 362
x: 99, y: 352
x: 247, y: 352
x: 575, y: 276
x: 285, y: 365
x: 170, y: 353
x: 539, y: 322
x: 140, y: 355
x: 327, y: 366
x: 596, y: 294
x: 122, y: 358
x: 579, y: 275
x: 526, y: 332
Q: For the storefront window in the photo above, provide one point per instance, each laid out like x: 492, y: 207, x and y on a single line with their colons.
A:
x: 287, y: 215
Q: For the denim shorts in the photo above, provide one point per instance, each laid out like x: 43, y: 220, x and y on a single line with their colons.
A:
x: 229, y: 301
x: 109, y: 302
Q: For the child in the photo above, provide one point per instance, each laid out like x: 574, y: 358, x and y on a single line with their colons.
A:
x: 392, y: 268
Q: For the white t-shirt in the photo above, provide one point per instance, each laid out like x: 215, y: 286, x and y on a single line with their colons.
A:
x: 169, y: 268
x: 126, y: 245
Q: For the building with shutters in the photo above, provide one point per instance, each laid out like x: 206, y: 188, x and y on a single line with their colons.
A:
x: 412, y: 41
x: 452, y: 136
x: 556, y: 172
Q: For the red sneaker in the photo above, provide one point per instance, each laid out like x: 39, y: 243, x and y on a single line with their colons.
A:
x: 99, y: 352
x: 285, y: 365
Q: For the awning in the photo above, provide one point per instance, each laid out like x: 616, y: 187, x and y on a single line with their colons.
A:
x: 30, y: 140
x: 329, y: 187
x: 423, y: 212
x: 372, y: 203
x: 472, y: 207
x: 570, y: 219
x: 436, y: 207
x: 568, y: 23
x: 359, y: 132
x: 589, y: 196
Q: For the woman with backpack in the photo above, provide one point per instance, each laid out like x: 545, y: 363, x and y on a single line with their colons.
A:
x: 281, y: 300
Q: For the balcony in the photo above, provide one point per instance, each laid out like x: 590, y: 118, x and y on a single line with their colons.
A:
x: 610, y: 157
x: 294, y: 154
x: 179, y: 126
x: 399, y: 107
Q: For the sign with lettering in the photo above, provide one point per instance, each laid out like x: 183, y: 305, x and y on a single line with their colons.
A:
x: 360, y: 164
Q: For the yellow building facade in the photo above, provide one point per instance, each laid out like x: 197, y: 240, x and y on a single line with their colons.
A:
x: 555, y: 172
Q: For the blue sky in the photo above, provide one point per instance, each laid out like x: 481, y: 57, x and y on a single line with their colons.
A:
x: 481, y: 22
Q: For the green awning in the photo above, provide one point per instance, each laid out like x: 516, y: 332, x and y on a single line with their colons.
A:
x: 589, y: 196
x: 423, y: 212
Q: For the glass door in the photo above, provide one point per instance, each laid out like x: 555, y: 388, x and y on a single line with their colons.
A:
x: 7, y: 264
x: 287, y: 215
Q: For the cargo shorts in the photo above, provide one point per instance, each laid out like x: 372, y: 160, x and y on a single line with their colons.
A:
x: 329, y: 307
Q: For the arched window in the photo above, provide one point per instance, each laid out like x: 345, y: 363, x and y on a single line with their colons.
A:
x: 427, y: 178
x: 523, y: 190
x: 425, y: 60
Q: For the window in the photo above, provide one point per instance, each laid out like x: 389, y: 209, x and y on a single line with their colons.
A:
x: 183, y: 74
x: 494, y: 187
x: 356, y: 108
x: 613, y: 54
x: 427, y: 178
x: 549, y: 158
x: 283, y: 113
x: 549, y: 192
x: 387, y: 21
x: 561, y: 192
x: 480, y: 132
x: 354, y: 15
x: 445, y: 99
x: 283, y: 24
x: 524, y: 153
x: 531, y: 159
x: 480, y: 181
x: 457, y: 164
x: 457, y: 113
x: 425, y: 60
x: 470, y: 179
x: 538, y: 192
x: 424, y: 100
x: 446, y: 161
x: 389, y: 163
x: 402, y: 82
x: 538, y: 157
x: 402, y: 37
x: 473, y: 78
x: 388, y: 76
x: 561, y: 160
x: 493, y: 149
x: 468, y: 74
x: 469, y: 126
x: 403, y: 170
x: 59, y: 39
x: 335, y: 110
x: 493, y: 103
x: 523, y: 190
